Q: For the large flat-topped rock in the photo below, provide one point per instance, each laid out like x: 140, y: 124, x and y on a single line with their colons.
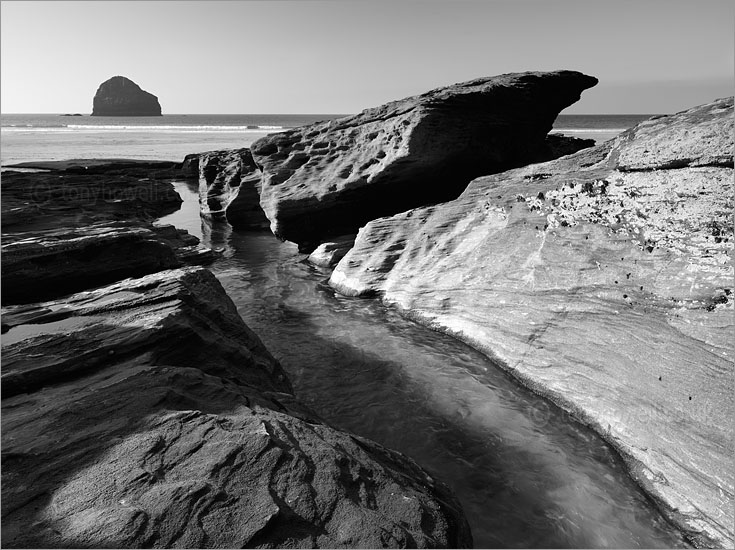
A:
x: 147, y: 414
x: 330, y: 178
x: 120, y: 96
x: 602, y: 280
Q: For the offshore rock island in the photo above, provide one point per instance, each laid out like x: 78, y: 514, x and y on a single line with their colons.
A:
x: 140, y: 410
x: 120, y: 96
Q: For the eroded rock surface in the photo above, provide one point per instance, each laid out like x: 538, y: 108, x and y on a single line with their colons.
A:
x: 602, y: 280
x: 146, y: 414
x: 229, y: 188
x: 330, y: 178
x: 120, y: 96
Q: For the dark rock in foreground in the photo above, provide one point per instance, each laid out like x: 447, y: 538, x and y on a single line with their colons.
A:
x: 332, y: 177
x: 58, y: 262
x: 120, y: 96
x: 88, y: 225
x: 146, y: 414
x: 603, y: 281
x: 79, y: 193
x: 50, y: 264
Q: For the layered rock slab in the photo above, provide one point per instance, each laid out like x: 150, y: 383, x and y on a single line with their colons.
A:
x: 120, y: 96
x: 330, y: 178
x: 50, y: 264
x: 78, y: 193
x: 147, y: 414
x: 84, y: 224
x: 602, y: 280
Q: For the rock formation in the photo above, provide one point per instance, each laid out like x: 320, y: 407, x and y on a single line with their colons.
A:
x: 54, y: 263
x: 330, y: 178
x: 79, y: 193
x: 120, y: 96
x: 602, y: 280
x: 229, y: 187
x: 146, y: 414
x: 84, y: 226
x: 330, y: 253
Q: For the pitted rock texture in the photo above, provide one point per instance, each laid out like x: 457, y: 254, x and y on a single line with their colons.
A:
x: 229, y: 188
x: 120, y: 96
x: 599, y: 282
x: 147, y: 414
x: 330, y: 178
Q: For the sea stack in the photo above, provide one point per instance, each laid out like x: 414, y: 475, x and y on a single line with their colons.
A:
x: 120, y: 96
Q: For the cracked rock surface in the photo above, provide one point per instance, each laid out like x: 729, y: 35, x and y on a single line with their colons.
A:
x: 147, y: 414
x: 602, y: 280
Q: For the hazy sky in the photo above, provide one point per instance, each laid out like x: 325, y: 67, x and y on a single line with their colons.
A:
x: 651, y: 56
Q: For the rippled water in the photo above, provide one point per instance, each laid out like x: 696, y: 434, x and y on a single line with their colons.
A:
x: 526, y: 474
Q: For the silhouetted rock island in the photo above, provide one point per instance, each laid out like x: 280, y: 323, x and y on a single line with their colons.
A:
x: 120, y: 96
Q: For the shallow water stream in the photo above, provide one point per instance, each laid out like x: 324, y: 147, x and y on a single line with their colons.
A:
x: 526, y: 474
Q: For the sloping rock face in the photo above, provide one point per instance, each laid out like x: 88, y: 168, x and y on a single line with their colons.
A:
x: 330, y: 178
x: 602, y: 280
x: 146, y: 414
x: 229, y: 188
x: 120, y: 96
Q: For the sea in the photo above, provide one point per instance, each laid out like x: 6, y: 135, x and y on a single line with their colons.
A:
x: 64, y: 136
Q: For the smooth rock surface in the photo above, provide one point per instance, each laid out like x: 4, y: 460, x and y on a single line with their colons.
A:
x: 229, y: 188
x: 330, y: 253
x: 120, y: 96
x: 602, y: 280
x: 331, y: 177
x: 146, y: 414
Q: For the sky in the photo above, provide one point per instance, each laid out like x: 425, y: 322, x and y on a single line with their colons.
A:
x: 303, y: 56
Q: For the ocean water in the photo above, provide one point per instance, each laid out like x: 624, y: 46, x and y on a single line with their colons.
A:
x: 43, y: 137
